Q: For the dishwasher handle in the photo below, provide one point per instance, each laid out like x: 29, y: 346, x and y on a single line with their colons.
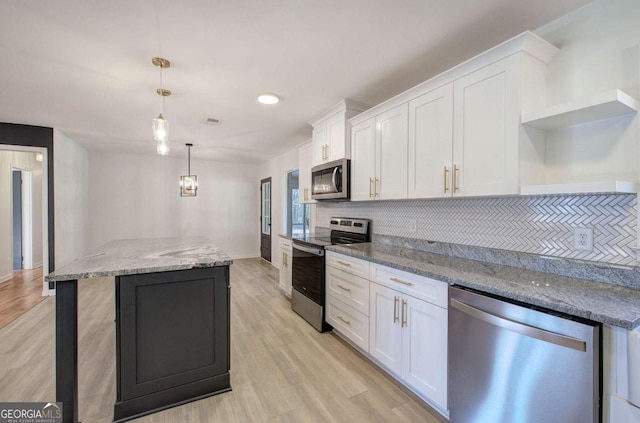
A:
x: 521, y: 328
x: 310, y: 250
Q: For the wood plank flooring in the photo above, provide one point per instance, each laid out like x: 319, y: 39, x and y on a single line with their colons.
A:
x: 19, y: 294
x: 282, y: 370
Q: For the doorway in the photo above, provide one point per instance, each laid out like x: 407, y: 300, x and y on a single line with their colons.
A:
x: 265, y: 218
x: 22, y: 219
x: 16, y: 210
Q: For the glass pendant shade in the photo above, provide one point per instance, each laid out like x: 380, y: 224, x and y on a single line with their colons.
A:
x: 162, y: 147
x: 161, y: 129
x: 188, y: 185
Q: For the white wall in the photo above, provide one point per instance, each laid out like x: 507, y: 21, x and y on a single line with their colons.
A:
x: 71, y: 196
x: 25, y: 161
x: 137, y: 196
x: 277, y: 169
x: 599, y: 51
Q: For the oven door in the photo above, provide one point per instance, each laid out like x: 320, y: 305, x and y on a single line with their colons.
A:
x: 307, y: 272
x: 330, y: 181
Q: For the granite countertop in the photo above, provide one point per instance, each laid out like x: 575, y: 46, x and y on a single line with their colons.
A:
x: 135, y: 256
x: 607, y: 303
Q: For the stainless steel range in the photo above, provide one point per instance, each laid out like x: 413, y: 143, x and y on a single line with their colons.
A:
x: 308, y: 279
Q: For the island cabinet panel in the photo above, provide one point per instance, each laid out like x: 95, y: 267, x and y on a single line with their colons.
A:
x: 172, y: 338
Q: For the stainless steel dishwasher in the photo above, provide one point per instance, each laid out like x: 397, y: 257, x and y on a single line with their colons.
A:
x: 512, y: 363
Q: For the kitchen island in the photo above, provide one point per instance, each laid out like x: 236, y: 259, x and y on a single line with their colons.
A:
x: 172, y: 323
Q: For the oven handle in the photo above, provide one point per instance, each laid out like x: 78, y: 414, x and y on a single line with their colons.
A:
x: 310, y: 250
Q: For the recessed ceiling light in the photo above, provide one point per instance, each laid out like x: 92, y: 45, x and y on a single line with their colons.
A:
x: 269, y: 98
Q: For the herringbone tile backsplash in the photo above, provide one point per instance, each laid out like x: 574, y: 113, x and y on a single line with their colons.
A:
x: 538, y: 225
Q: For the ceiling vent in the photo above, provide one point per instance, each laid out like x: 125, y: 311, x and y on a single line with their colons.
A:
x: 213, y: 122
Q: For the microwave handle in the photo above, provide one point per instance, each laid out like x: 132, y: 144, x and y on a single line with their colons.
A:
x: 333, y: 178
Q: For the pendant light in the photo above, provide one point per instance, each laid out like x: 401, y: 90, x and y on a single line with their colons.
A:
x: 188, y: 182
x: 160, y: 124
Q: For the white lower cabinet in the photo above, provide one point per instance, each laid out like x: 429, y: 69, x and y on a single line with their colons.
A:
x: 286, y: 254
x: 424, y: 349
x: 347, y: 298
x: 398, y: 318
x: 353, y: 324
x: 409, y: 336
x: 385, y: 332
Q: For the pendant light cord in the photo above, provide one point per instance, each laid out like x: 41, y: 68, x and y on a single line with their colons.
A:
x: 189, y: 161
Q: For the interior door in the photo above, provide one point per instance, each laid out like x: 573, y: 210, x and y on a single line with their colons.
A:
x: 265, y: 219
x: 17, y: 219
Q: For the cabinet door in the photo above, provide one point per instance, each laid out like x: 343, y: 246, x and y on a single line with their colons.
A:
x: 363, y: 153
x: 385, y: 332
x: 319, y: 141
x: 485, y: 140
x: 336, y: 138
x: 431, y: 144
x: 424, y: 349
x: 304, y: 167
x: 391, y: 144
x: 285, y: 273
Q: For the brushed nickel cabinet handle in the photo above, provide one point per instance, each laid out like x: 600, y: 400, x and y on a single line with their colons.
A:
x: 446, y: 172
x: 404, y: 313
x: 377, y: 190
x: 326, y: 151
x: 343, y: 263
x: 370, y: 191
x: 401, y: 281
x: 344, y: 320
x: 344, y: 288
x: 395, y: 308
x: 455, y: 178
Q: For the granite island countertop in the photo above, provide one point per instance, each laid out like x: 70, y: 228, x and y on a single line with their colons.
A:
x: 602, y: 302
x: 149, y: 255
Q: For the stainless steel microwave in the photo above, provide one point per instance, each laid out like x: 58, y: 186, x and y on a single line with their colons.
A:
x: 331, y: 181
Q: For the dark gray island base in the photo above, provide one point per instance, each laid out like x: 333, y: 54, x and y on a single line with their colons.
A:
x: 172, y: 323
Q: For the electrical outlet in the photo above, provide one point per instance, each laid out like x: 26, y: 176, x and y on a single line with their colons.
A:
x: 583, y: 239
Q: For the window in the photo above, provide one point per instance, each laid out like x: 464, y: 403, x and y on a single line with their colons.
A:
x: 297, y: 214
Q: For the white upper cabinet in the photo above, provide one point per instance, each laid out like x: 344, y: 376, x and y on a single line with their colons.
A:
x: 379, y: 164
x: 391, y: 158
x: 304, y: 172
x: 363, y: 162
x: 486, y: 121
x: 431, y: 144
x: 331, y: 132
x: 459, y: 133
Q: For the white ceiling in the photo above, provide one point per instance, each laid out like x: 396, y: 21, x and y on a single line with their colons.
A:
x: 84, y: 66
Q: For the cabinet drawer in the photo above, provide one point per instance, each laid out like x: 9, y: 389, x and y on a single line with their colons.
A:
x: 421, y: 287
x: 350, y: 289
x: 348, y: 264
x: 349, y: 322
x: 285, y: 243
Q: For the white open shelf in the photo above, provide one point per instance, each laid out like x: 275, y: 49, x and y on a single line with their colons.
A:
x: 602, y: 106
x: 603, y: 187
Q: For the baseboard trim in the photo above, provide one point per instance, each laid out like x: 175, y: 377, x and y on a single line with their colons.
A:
x: 256, y: 255
x: 6, y: 277
x: 36, y: 265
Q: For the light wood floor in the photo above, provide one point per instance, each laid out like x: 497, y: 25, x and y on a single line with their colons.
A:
x: 19, y: 294
x: 282, y: 370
